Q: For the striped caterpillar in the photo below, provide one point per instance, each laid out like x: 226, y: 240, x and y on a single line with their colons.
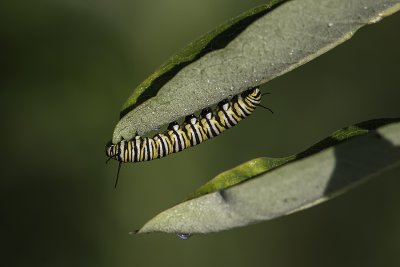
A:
x: 192, y: 132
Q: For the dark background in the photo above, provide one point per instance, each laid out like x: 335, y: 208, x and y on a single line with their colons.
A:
x: 68, y: 66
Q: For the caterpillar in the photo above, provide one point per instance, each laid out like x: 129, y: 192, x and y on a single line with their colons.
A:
x: 192, y: 132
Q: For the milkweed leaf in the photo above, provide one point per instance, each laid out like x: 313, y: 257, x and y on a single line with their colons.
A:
x: 247, y: 51
x: 257, y: 166
x: 277, y: 187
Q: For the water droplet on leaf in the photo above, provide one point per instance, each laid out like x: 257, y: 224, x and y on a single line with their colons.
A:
x: 183, y: 236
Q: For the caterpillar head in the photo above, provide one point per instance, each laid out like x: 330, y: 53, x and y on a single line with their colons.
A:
x: 111, y: 150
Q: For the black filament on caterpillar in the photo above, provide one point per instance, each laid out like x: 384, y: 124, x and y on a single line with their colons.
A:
x: 192, y: 132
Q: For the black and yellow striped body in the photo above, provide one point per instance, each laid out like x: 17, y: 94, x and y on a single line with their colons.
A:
x: 192, y: 132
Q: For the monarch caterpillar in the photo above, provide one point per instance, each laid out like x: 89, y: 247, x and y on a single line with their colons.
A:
x: 192, y: 132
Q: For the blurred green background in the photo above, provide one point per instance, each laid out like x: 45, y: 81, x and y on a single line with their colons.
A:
x: 67, y: 68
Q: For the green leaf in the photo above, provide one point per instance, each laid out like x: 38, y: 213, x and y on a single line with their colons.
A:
x: 257, y: 166
x: 239, y: 174
x: 283, y: 186
x: 247, y: 51
x: 211, y: 41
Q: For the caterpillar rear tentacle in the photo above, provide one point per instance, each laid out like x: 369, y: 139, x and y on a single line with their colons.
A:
x: 192, y: 132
